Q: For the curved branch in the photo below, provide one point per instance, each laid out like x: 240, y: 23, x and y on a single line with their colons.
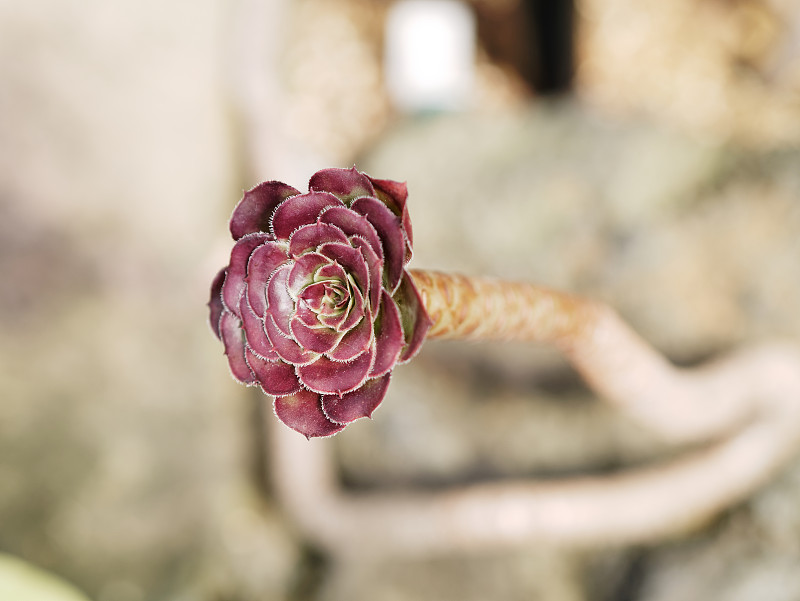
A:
x: 752, y: 398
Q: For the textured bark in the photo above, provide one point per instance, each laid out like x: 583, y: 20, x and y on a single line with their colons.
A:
x: 471, y: 308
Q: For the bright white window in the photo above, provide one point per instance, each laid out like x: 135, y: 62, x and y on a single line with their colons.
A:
x: 430, y: 54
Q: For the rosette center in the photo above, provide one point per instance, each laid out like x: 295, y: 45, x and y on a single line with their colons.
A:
x: 329, y: 298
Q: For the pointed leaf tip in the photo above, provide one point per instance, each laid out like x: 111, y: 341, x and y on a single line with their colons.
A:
x: 302, y: 412
x: 297, y: 211
x: 215, y: 307
x: 358, y: 403
x: 393, y: 194
x: 254, y: 210
x: 345, y: 184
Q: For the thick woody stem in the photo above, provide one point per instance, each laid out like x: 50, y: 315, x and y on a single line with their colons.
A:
x: 471, y: 308
x: 610, y: 356
x: 749, y: 402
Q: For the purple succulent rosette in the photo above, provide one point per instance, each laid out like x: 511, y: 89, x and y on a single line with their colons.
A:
x: 316, y: 306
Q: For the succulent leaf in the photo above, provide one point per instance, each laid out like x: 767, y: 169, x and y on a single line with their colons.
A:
x: 215, y: 307
x: 392, y: 194
x: 353, y: 224
x: 304, y: 270
x: 351, y: 260
x: 375, y: 269
x: 345, y: 184
x: 297, y: 211
x: 389, y: 338
x: 260, y: 266
x: 389, y: 228
x: 234, y: 285
x: 280, y: 305
x: 355, y: 341
x: 254, y: 211
x: 309, y: 237
x: 233, y: 338
x: 275, y: 377
x: 358, y: 403
x: 319, y: 339
x: 355, y: 307
x: 257, y: 339
x: 287, y: 348
x: 326, y: 376
x: 302, y: 411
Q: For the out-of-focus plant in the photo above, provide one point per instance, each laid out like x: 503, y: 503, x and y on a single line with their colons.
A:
x: 21, y: 581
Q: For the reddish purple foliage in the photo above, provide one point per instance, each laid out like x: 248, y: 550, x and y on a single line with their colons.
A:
x: 315, y: 305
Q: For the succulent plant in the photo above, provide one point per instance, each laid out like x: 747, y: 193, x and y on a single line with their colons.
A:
x: 315, y: 305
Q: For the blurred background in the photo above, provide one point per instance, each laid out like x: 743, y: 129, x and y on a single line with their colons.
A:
x: 642, y: 153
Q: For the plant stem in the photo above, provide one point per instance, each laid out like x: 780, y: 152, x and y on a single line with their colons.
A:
x: 615, y: 361
x: 472, y: 308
